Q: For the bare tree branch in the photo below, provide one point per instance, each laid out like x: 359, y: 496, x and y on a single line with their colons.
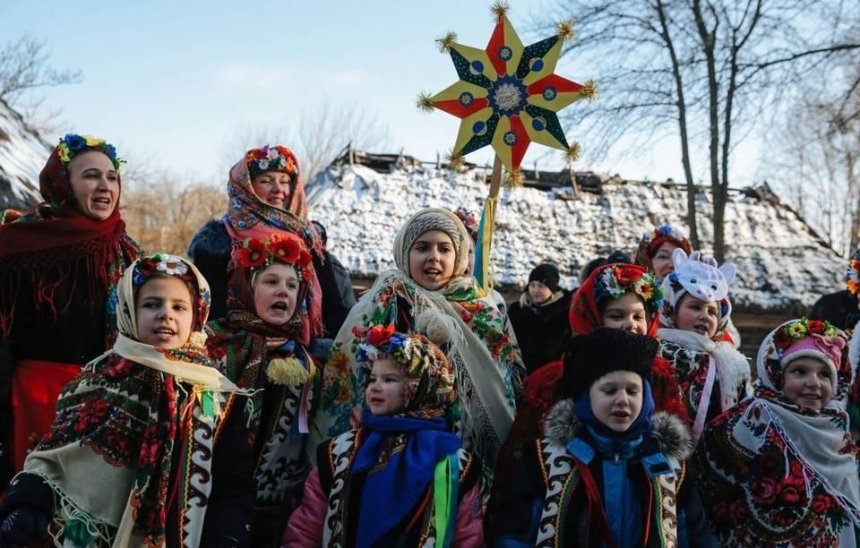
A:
x: 24, y: 67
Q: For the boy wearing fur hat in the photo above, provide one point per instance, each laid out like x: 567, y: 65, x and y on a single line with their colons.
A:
x: 608, y: 471
x: 713, y: 375
x: 539, y: 317
x: 402, y: 479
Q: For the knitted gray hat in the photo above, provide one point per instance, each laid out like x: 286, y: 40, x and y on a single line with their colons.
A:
x: 433, y: 218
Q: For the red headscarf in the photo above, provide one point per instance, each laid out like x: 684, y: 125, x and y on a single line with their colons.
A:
x: 47, y: 244
x: 650, y: 243
x: 622, y: 278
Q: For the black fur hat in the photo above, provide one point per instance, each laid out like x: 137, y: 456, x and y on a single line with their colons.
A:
x: 589, y: 357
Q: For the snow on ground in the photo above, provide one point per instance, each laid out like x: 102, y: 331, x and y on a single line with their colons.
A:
x: 781, y: 264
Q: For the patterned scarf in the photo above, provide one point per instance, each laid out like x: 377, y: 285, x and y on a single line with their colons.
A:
x: 50, y: 246
x: 111, y: 451
x: 401, y: 453
x: 778, y: 473
x: 248, y: 216
x: 700, y: 364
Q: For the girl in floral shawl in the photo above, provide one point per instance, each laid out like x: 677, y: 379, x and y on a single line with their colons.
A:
x: 59, y: 268
x: 144, y: 450
x: 780, y: 469
x: 262, y: 345
x: 402, y: 478
x: 431, y: 252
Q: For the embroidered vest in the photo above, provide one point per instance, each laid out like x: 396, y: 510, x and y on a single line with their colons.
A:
x: 561, y: 479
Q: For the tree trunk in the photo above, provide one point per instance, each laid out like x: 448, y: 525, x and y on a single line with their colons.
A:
x: 708, y: 38
x: 682, y: 126
x: 854, y: 239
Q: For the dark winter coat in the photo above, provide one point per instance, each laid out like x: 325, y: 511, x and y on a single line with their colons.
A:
x: 344, y: 283
x: 542, y: 330
x: 838, y: 308
x: 547, y: 502
x: 210, y: 251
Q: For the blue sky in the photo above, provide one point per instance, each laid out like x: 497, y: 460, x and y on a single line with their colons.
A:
x: 172, y: 83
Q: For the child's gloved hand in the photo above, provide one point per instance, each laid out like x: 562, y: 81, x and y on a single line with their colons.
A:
x: 24, y: 526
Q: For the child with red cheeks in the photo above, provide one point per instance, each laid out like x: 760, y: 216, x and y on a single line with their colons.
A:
x: 402, y: 478
x: 696, y: 309
x: 779, y: 468
x: 620, y: 296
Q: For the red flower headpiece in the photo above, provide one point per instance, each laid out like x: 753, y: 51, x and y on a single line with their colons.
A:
x: 283, y: 248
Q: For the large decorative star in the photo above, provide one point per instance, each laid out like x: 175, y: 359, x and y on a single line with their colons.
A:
x: 508, y: 95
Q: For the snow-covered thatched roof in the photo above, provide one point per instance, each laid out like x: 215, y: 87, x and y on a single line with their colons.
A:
x: 23, y: 153
x: 782, y: 264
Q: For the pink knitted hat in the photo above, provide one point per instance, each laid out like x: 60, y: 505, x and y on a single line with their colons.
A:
x: 827, y: 349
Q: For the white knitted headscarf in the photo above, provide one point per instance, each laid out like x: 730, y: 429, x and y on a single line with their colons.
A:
x: 434, y: 218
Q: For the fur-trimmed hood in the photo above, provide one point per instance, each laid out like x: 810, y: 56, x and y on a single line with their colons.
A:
x: 561, y: 426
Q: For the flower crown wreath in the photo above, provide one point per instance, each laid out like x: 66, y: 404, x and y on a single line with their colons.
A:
x: 614, y: 282
x: 163, y: 263
x: 268, y: 158
x: 379, y: 340
x: 852, y: 277
x: 279, y: 248
x: 798, y: 329
x: 72, y: 144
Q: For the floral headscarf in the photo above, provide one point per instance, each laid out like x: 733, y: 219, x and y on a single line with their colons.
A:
x: 429, y: 375
x: 249, y: 216
x: 124, y: 429
x: 777, y: 473
x: 610, y: 282
x: 802, y: 337
x: 470, y: 220
x: 258, y: 355
x: 163, y: 265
